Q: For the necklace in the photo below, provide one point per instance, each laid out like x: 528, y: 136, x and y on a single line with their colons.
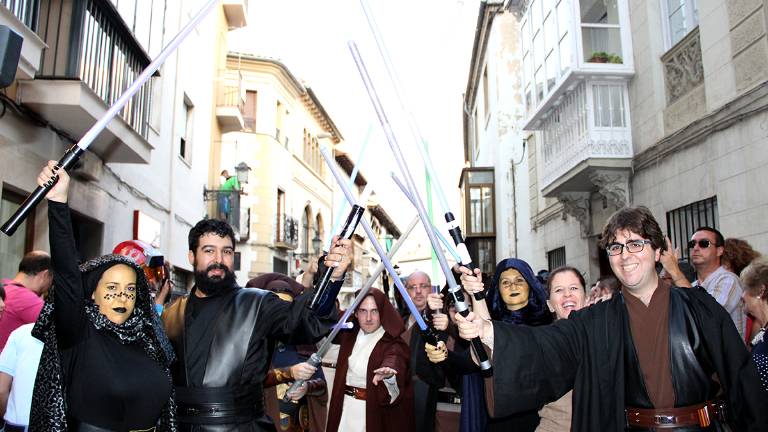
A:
x: 759, y: 336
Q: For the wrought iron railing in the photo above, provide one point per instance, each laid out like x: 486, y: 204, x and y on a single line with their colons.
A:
x: 27, y: 11
x: 225, y: 205
x: 286, y: 233
x: 89, y: 41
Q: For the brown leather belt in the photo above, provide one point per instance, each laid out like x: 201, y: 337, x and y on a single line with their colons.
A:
x: 328, y: 365
x: 355, y: 392
x: 671, y: 418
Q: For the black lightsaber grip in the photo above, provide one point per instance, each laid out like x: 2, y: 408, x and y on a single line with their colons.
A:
x: 321, y: 290
x: 37, y: 195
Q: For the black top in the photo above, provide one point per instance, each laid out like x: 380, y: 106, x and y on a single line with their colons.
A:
x: 107, y: 384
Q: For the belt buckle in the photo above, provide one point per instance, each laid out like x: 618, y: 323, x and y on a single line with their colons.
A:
x: 664, y: 419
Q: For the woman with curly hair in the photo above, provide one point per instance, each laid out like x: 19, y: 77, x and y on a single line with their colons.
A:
x: 104, y: 366
x: 737, y: 254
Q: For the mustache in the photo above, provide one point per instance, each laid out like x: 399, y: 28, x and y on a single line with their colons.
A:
x: 217, y: 266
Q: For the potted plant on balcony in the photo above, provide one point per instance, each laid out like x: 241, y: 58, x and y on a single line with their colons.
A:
x: 599, y: 57
x: 615, y: 59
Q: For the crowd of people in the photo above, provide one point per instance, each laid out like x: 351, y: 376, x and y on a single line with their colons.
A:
x: 658, y: 344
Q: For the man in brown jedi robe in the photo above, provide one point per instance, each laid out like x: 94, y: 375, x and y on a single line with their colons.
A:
x: 372, y: 389
x: 654, y: 357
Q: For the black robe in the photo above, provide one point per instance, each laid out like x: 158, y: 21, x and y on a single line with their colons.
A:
x: 537, y: 365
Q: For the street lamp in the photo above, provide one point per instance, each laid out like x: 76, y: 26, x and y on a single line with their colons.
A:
x: 317, y: 243
x: 241, y: 170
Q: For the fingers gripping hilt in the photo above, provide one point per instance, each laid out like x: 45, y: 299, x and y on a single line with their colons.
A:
x: 461, y: 247
x: 321, y: 290
x: 314, y: 360
x: 477, y: 344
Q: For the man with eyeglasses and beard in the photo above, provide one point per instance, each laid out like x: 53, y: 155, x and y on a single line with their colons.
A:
x: 706, y: 249
x: 224, y: 335
x: 653, y: 357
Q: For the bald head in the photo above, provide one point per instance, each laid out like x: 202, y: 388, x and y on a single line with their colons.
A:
x: 35, y: 272
x: 418, y: 285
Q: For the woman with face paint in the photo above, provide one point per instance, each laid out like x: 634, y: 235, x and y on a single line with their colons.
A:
x: 104, y: 366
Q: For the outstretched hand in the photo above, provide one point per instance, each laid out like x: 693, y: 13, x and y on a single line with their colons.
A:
x: 52, y: 174
x: 382, y: 373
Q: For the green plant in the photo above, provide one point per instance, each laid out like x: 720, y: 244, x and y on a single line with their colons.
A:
x: 599, y: 57
x: 615, y: 59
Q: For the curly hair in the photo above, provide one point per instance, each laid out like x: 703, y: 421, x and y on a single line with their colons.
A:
x: 755, y: 276
x: 639, y: 220
x: 737, y: 254
x: 206, y: 226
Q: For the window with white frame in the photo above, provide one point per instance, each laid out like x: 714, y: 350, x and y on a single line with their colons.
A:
x: 680, y: 17
x: 608, y: 103
x: 547, y: 47
x: 600, y: 31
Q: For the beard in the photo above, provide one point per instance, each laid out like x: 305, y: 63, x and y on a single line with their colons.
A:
x: 213, y: 285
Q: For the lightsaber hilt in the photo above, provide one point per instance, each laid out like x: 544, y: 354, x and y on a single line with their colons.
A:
x: 461, y: 247
x: 321, y: 290
x: 66, y: 163
x: 485, y: 364
x: 374, y: 241
x: 326, y: 345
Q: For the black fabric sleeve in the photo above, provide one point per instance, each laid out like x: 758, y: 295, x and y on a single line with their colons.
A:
x: 533, y: 365
x: 69, y: 294
x: 294, y: 323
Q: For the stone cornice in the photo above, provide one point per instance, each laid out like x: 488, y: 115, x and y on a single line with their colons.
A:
x: 742, y: 107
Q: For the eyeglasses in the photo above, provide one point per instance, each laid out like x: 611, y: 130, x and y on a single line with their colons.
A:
x: 633, y: 246
x: 519, y: 282
x: 703, y: 243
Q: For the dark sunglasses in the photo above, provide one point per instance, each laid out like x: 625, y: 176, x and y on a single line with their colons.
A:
x: 703, y: 243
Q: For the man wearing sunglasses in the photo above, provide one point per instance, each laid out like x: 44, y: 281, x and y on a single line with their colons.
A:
x: 706, y: 248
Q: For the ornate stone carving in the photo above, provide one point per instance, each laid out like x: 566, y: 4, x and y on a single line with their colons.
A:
x: 683, y: 68
x: 576, y: 205
x: 613, y: 185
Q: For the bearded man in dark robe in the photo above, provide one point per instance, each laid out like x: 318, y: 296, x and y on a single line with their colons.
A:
x: 223, y: 334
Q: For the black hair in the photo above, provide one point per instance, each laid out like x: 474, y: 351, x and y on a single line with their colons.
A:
x: 207, y: 226
x: 34, y: 262
x: 2, y: 292
x: 719, y: 239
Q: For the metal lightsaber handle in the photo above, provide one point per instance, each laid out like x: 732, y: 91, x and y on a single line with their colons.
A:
x: 458, y: 239
x: 316, y: 358
x: 461, y: 307
x: 10, y: 226
x: 321, y: 290
x: 425, y: 331
x: 66, y: 162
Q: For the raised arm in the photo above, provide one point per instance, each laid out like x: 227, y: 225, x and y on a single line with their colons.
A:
x: 68, y: 294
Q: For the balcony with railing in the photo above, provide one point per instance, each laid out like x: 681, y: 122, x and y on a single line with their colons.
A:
x: 225, y: 205
x: 286, y: 234
x: 92, y: 59
x: 569, y: 41
x: 236, y: 12
x: 230, y: 102
x: 22, y: 17
x: 586, y: 133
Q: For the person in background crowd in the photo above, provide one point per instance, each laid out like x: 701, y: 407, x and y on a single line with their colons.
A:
x: 567, y: 293
x: 372, y: 391
x: 707, y: 246
x: 755, y: 280
x: 25, y: 292
x: 306, y: 409
x: 652, y: 353
x: 737, y: 254
x: 18, y: 369
x: 425, y: 387
x: 103, y: 365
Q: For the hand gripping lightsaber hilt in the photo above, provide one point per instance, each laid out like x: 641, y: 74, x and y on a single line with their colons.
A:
x: 74, y: 152
x: 321, y: 290
x: 316, y: 358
